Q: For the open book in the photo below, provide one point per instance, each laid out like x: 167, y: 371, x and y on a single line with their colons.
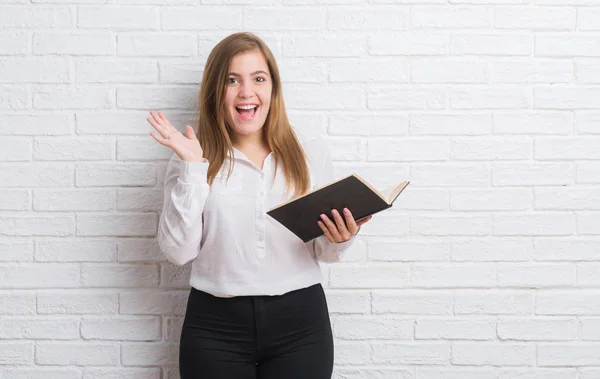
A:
x: 300, y: 215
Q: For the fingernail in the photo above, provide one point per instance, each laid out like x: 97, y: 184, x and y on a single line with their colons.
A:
x: 323, y: 216
x: 346, y: 211
x: 334, y: 211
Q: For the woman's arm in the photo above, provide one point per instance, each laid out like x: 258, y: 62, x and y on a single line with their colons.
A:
x: 180, y: 224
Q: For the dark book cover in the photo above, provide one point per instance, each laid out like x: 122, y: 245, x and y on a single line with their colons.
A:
x: 301, y: 215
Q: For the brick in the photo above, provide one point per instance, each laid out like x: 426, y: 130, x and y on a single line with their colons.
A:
x: 427, y: 70
x: 367, y: 19
x: 149, y: 354
x: 369, y: 70
x: 406, y: 250
x: 556, y: 97
x: 587, y: 71
x: 567, y: 302
x: 567, y: 45
x: 74, y: 43
x: 317, y: 97
x: 121, y: 225
x: 535, y: 18
x: 369, y: 327
x: 525, y: 224
x: 141, y: 200
x: 182, y: 71
x: 462, y: 372
x: 352, y: 353
x: 110, y: 70
x: 563, y: 199
x: 39, y: 328
x: 117, y: 18
x: 455, y: 329
x: 493, y: 302
x: 412, y: 302
x: 81, y: 354
x: 491, y: 249
x: 491, y: 200
x: 367, y: 125
x: 114, y: 174
x: 369, y: 276
x: 16, y: 353
x: 135, y: 249
x: 14, y: 97
x: 536, y: 275
x: 390, y: 223
x: 113, y: 122
x: 490, y: 353
x: 456, y: 275
x: 564, y: 354
x: 16, y: 249
x: 290, y: 19
x: 75, y: 250
x: 35, y: 70
x: 153, y: 303
x: 14, y: 302
x: 588, y: 172
x: 73, y: 200
x: 409, y: 149
x: 77, y: 302
x: 538, y: 373
x: 361, y: 373
x: 119, y: 275
x: 588, y: 20
x: 532, y: 174
x: 156, y: 98
x: 76, y: 149
x: 588, y: 274
x: 563, y: 249
x: 15, y: 150
x: 490, y: 98
x: 491, y: 44
x: 20, y: 17
x: 39, y: 372
x: 434, y: 199
x: 348, y: 302
x: 135, y: 44
x: 73, y: 98
x: 121, y: 328
x: 201, y: 18
x: 324, y: 46
x: 588, y: 222
x: 451, y: 175
x: 406, y: 98
x: 589, y: 329
x: 37, y: 225
x: 544, y: 122
x: 36, y: 175
x: 121, y: 372
x: 176, y: 277
x: 450, y: 124
x: 410, y: 353
x: 141, y: 149
x: 473, y: 149
x: 528, y: 70
x: 14, y: 43
x: 413, y: 42
x: 41, y: 275
x: 29, y: 124
x: 451, y: 17
x: 563, y: 148
x: 451, y: 224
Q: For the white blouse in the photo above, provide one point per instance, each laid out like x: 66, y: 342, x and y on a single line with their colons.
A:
x: 236, y: 248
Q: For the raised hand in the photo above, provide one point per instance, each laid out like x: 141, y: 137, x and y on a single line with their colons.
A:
x: 340, y: 230
x: 187, y: 147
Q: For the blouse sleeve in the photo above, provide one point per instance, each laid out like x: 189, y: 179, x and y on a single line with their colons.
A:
x: 322, y: 166
x: 180, y: 224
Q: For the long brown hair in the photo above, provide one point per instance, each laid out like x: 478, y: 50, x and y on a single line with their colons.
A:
x: 214, y: 135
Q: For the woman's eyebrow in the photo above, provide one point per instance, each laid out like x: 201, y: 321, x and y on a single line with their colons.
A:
x: 253, y: 73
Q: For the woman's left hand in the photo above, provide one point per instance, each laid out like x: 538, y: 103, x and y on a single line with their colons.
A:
x: 340, y: 230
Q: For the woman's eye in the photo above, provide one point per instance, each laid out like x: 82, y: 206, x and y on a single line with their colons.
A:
x: 260, y: 79
x: 232, y: 80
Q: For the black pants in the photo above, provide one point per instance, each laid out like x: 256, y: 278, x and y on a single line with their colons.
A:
x: 257, y: 337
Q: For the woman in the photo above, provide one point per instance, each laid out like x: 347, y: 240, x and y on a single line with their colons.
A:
x: 256, y: 307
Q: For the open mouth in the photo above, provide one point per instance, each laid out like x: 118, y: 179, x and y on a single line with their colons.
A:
x: 247, y: 112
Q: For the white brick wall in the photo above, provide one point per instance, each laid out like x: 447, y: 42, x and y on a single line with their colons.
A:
x: 488, y: 267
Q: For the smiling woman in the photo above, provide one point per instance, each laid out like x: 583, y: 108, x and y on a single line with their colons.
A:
x: 256, y: 307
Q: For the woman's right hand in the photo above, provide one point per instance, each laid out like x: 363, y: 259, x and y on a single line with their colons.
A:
x: 187, y: 147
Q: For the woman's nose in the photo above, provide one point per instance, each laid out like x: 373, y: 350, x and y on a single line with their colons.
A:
x: 245, y: 90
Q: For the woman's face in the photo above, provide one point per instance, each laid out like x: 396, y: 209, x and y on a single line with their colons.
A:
x: 247, y: 94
